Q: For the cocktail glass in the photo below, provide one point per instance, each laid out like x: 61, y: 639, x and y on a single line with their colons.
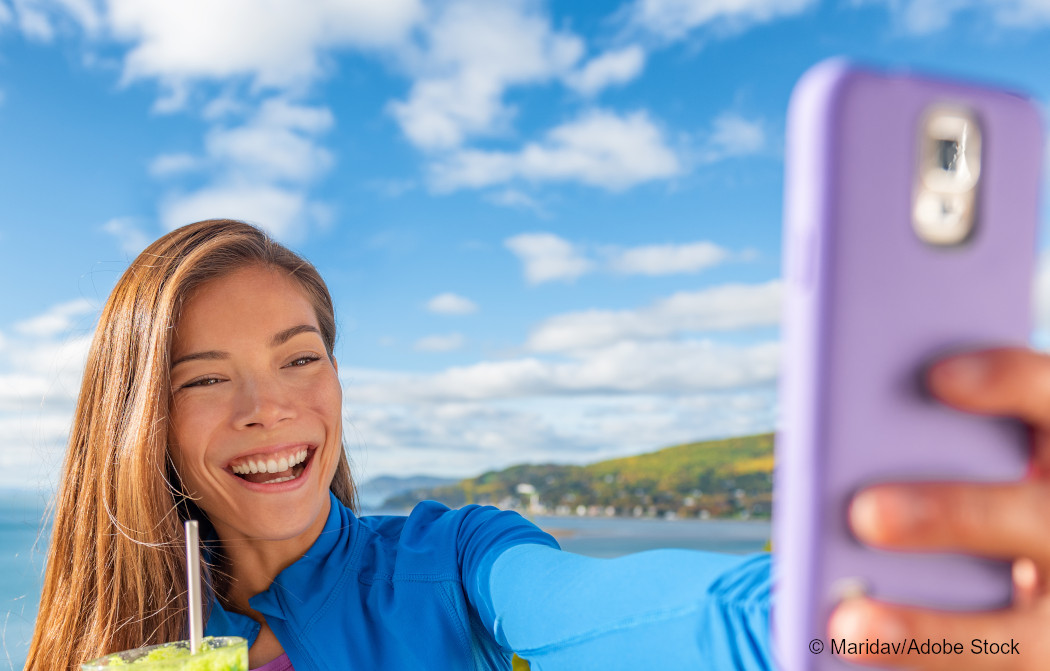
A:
x: 216, y: 653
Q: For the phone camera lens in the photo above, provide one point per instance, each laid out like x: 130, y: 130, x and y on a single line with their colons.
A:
x: 943, y: 204
x: 947, y: 155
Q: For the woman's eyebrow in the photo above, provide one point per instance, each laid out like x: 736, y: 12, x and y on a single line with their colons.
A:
x: 278, y: 339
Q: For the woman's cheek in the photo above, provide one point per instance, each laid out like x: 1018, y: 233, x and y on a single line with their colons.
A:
x: 323, y: 393
x: 191, y: 422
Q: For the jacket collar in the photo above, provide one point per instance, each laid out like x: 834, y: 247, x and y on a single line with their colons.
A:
x: 306, y: 575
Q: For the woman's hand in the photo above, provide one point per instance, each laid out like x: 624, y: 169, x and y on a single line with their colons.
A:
x: 1008, y: 521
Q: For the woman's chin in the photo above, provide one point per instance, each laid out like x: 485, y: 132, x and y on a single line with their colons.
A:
x: 273, y: 522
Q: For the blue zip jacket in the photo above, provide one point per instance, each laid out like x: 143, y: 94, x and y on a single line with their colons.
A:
x: 461, y: 589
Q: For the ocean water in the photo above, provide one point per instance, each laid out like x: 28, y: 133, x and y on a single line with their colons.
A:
x: 21, y: 573
x: 615, y: 536
x: 22, y: 564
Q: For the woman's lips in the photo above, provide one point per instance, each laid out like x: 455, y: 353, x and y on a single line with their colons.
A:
x: 305, y: 468
x: 272, y: 452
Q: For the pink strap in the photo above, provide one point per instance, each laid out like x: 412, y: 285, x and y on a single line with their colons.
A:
x: 282, y: 663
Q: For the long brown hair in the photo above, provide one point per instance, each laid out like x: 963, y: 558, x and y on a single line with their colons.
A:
x: 115, y: 574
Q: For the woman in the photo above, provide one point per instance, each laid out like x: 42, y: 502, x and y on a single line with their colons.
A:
x: 211, y: 392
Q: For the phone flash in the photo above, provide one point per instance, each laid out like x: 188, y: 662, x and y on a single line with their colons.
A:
x: 945, y: 193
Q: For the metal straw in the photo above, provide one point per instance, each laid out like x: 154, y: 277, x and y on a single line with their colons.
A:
x: 193, y: 583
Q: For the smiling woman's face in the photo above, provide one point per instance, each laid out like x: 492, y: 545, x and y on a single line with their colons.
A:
x: 262, y: 397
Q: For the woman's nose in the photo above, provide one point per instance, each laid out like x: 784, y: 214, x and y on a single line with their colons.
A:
x: 264, y: 400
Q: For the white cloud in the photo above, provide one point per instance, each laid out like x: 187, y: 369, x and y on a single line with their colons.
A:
x: 1020, y: 13
x: 463, y: 438
x: 34, y: 23
x: 261, y: 170
x: 33, y: 447
x: 276, y: 145
x: 85, y: 13
x: 454, y: 439
x: 16, y: 388
x: 609, y: 402
x: 278, y: 210
x: 613, y: 67
x: 663, y: 367
x: 41, y: 369
x: 286, y: 47
x: 601, y: 149
x: 452, y: 422
x: 603, y: 402
x: 451, y: 304
x: 223, y: 106
x: 516, y: 199
x: 58, y: 319
x: 547, y: 257
x: 282, y: 114
x: 167, y: 165
x: 922, y: 17
x: 131, y: 239
x: 667, y: 259
x: 440, y: 343
x: 173, y: 98
x: 733, y: 135
x: 283, y: 46
x: 391, y: 188
x: 674, y: 19
x: 927, y: 17
x: 724, y: 308
x: 440, y: 113
x: 40, y: 20
x: 473, y: 51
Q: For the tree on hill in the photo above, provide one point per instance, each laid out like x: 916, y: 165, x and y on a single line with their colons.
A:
x: 710, y: 479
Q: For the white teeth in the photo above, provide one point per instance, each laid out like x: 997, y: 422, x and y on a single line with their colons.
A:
x: 272, y: 465
x: 285, y: 479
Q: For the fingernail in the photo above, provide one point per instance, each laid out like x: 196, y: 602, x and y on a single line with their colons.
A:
x: 859, y: 619
x: 1025, y: 572
x: 967, y: 370
x: 864, y: 515
x: 876, y: 511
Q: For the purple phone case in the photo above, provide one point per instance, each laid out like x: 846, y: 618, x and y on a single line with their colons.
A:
x: 868, y: 304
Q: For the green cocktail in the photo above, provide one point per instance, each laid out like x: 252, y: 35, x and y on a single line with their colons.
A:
x: 216, y: 653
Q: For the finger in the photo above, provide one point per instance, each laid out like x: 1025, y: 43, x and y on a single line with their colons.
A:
x: 926, y: 639
x: 1008, y: 381
x: 1003, y: 520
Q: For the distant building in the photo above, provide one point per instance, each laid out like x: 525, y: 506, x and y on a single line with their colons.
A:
x: 534, y: 506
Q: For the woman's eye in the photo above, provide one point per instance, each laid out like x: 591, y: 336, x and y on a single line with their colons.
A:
x: 208, y: 381
x: 201, y: 382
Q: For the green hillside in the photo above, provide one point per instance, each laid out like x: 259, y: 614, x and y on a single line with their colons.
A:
x: 716, y: 479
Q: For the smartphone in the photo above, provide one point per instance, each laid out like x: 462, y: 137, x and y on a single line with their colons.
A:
x: 910, y: 231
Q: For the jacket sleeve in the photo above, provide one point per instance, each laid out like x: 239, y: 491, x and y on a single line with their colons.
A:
x: 482, y: 534
x: 661, y: 609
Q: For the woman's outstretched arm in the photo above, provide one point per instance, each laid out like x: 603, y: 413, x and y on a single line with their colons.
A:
x: 661, y: 609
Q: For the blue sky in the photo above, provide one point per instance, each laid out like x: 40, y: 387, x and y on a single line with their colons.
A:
x: 552, y: 229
